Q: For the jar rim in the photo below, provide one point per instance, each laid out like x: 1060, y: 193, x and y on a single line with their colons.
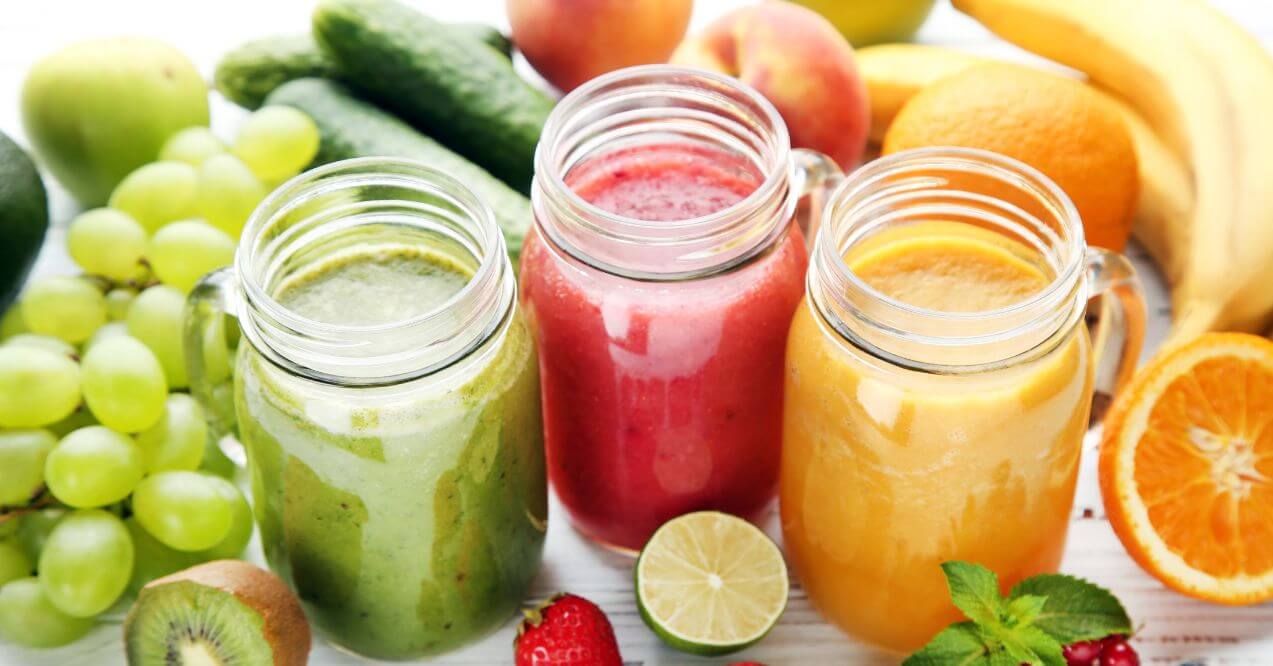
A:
x: 888, y: 163
x: 1048, y: 313
x: 488, y: 294
x: 550, y: 177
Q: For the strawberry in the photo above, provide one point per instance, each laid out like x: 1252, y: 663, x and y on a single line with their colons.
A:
x: 566, y: 630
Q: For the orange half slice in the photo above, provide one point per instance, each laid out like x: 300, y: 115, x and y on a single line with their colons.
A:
x: 1187, y: 468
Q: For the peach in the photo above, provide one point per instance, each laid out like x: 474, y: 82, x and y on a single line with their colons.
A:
x: 801, y: 63
x: 571, y: 41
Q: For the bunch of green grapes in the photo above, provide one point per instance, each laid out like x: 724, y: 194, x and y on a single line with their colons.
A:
x: 106, y: 466
x: 180, y: 217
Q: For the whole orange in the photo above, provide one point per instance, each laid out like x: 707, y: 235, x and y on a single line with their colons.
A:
x: 1051, y: 122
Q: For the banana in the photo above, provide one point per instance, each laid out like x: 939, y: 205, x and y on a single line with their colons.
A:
x: 1206, y: 87
x: 1165, y: 206
x: 895, y: 72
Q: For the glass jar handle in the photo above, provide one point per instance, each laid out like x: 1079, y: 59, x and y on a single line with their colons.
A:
x: 1116, y: 324
x: 816, y: 175
x: 210, y: 338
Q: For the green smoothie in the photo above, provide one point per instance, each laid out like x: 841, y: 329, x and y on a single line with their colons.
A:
x: 410, y: 519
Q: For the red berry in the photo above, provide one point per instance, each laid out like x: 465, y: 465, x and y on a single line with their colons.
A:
x: 1118, y: 652
x: 566, y: 631
x: 1083, y: 653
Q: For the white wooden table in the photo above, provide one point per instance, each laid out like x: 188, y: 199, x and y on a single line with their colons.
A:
x: 1174, y: 630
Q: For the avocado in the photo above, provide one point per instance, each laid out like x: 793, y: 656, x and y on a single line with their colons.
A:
x: 24, y: 218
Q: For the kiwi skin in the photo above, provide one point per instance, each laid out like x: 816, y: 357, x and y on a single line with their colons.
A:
x: 284, y: 624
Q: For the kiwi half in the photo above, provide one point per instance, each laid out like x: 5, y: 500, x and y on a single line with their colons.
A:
x: 222, y: 613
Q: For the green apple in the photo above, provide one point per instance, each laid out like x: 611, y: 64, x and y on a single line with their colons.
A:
x: 98, y: 109
x: 866, y: 22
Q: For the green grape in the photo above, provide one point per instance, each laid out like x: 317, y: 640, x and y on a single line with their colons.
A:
x: 216, y: 462
x: 124, y: 384
x: 13, y: 322
x: 112, y: 329
x: 9, y: 525
x: 86, y: 563
x: 228, y: 193
x: 37, y: 386
x: 155, y: 318
x: 184, y: 510
x: 231, y: 547
x: 34, y: 530
x: 276, y: 142
x: 79, y: 418
x: 28, y: 618
x: 192, y: 145
x: 22, y: 456
x: 45, y: 342
x: 93, y: 467
x: 177, y: 440
x: 14, y: 563
x: 183, y: 252
x: 157, y: 193
x: 106, y: 242
x: 152, y: 559
x: 64, y: 307
x: 117, y: 302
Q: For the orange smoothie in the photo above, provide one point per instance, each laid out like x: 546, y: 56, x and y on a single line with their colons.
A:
x: 888, y: 472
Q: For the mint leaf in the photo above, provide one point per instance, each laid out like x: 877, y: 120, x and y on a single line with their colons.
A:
x: 1001, y: 658
x: 960, y: 644
x: 1075, y: 610
x: 974, y: 590
x: 1031, y: 645
x: 1022, y: 610
x: 1030, y: 626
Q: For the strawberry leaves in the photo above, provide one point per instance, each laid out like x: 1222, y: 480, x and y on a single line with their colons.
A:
x: 1029, y: 626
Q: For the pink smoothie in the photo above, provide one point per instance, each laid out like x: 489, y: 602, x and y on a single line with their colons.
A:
x: 661, y: 398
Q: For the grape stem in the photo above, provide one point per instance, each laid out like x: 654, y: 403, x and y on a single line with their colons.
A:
x: 42, y: 500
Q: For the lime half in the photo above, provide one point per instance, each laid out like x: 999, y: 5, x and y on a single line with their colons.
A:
x: 710, y: 583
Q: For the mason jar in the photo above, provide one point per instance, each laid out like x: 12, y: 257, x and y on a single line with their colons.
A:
x: 387, y: 393
x: 939, y: 380
x: 660, y: 278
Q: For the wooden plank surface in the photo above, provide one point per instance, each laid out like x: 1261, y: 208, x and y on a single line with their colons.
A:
x: 1174, y: 630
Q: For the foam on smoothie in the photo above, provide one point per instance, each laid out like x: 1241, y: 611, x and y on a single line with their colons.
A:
x: 664, y: 182
x: 367, y: 286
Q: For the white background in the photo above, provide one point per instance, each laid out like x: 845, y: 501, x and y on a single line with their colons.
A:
x: 1174, y: 630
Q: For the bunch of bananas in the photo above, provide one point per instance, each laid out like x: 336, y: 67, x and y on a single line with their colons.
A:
x: 1197, y: 93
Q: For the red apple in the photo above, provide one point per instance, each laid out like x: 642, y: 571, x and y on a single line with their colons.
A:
x: 801, y: 63
x: 571, y: 41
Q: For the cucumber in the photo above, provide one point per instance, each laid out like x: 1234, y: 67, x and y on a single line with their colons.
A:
x: 351, y: 127
x: 463, y: 94
x: 487, y: 34
x: 24, y: 218
x: 248, y: 73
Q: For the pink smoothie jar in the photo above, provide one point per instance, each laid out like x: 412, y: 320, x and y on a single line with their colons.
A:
x: 660, y: 280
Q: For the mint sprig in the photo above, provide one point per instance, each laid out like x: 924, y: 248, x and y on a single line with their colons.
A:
x: 1029, y: 626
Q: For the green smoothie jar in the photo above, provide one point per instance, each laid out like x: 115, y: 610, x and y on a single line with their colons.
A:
x: 386, y: 390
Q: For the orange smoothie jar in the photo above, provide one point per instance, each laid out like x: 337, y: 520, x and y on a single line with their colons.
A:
x: 939, y: 380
